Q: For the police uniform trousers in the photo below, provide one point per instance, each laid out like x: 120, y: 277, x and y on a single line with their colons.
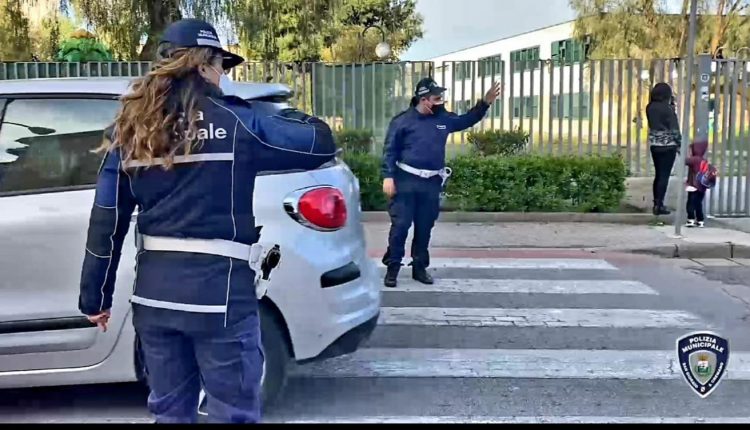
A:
x: 183, y: 352
x: 417, y: 202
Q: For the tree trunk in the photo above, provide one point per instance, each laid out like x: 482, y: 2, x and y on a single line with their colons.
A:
x: 718, y: 33
x: 160, y: 15
x: 682, y: 47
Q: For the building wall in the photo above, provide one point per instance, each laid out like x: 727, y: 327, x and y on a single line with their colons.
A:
x: 542, y: 37
x: 603, y: 93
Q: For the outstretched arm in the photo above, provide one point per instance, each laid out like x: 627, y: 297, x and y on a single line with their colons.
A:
x: 291, y: 139
x: 113, y: 206
x: 469, y: 119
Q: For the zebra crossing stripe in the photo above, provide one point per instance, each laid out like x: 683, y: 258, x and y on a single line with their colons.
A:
x: 517, y: 263
x: 525, y: 286
x: 510, y: 363
x: 502, y: 317
x: 510, y: 420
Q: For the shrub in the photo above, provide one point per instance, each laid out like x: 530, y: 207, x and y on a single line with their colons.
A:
x: 367, y: 169
x: 534, y: 183
x: 521, y: 183
x: 498, y: 142
x: 354, y: 140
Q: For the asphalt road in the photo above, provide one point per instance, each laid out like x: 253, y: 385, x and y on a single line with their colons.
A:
x: 501, y: 340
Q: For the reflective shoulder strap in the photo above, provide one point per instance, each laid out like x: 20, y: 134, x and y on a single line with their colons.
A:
x: 180, y: 159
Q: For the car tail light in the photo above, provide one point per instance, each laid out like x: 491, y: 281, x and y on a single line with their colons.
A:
x: 322, y: 208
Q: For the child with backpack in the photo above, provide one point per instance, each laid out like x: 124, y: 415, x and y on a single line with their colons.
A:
x: 701, y: 177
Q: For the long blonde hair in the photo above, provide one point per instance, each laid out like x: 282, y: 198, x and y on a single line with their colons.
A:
x: 158, y: 117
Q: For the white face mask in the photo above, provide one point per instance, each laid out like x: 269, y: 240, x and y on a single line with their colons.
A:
x: 225, y: 83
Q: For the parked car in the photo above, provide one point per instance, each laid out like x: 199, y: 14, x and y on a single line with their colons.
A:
x: 323, y: 299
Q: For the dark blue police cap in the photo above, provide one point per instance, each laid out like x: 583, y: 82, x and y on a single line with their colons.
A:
x: 190, y: 33
x: 428, y: 86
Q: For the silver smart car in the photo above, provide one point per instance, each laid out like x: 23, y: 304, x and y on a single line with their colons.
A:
x: 323, y: 299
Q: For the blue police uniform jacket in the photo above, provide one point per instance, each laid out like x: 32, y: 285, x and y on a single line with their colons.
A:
x: 419, y: 140
x: 202, y: 200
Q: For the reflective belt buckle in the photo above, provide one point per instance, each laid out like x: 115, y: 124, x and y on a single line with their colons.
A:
x: 256, y: 251
x: 425, y: 174
x: 445, y: 173
x: 262, y: 265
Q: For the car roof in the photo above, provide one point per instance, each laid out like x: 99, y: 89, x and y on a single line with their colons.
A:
x: 119, y: 86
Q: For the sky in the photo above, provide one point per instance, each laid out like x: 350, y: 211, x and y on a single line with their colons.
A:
x: 451, y: 25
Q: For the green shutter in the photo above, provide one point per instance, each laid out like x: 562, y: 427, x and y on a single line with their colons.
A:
x: 578, y: 57
x: 534, y: 58
x: 555, y: 52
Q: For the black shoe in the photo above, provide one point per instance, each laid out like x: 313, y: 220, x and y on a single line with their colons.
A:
x: 391, y: 276
x: 420, y: 274
x: 659, y: 209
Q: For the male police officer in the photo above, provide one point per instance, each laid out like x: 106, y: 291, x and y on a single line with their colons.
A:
x: 414, y: 171
x: 195, y: 309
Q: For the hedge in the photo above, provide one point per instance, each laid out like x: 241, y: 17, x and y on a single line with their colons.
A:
x: 520, y: 183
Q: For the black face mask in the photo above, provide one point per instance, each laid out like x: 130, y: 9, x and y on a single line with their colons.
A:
x: 436, y: 109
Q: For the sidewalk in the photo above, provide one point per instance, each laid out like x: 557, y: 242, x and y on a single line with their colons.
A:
x: 709, y: 242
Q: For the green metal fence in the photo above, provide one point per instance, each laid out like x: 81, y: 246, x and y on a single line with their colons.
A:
x: 72, y: 70
x: 591, y: 107
x: 362, y: 96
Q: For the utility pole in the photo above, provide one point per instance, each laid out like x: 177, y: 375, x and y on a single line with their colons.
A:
x: 688, y: 88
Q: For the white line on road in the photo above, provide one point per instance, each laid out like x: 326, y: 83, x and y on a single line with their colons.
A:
x: 525, y: 286
x: 518, y: 263
x: 276, y: 419
x: 510, y: 363
x: 501, y: 317
x: 508, y: 420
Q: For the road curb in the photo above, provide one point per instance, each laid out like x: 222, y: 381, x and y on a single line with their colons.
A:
x: 494, y: 217
x: 691, y: 250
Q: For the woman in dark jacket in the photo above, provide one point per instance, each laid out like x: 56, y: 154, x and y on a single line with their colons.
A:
x: 664, y: 139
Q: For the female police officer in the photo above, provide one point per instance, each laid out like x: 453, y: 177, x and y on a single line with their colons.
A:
x: 187, y: 155
x: 413, y: 164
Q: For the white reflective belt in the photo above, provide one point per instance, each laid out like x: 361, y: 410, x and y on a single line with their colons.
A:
x: 224, y: 248
x: 422, y: 173
x: 180, y: 159
x: 184, y: 307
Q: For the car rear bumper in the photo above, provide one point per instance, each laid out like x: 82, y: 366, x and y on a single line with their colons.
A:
x: 348, y: 343
x: 321, y: 308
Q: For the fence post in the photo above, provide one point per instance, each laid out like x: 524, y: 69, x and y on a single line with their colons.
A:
x: 681, y: 194
x: 701, y: 103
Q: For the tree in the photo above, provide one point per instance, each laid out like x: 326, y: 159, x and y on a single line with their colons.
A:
x: 625, y: 28
x: 47, y: 34
x: 15, y: 43
x: 398, y: 19
x: 644, y: 29
x: 728, y: 14
x: 124, y: 24
x: 284, y: 30
x: 266, y: 30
